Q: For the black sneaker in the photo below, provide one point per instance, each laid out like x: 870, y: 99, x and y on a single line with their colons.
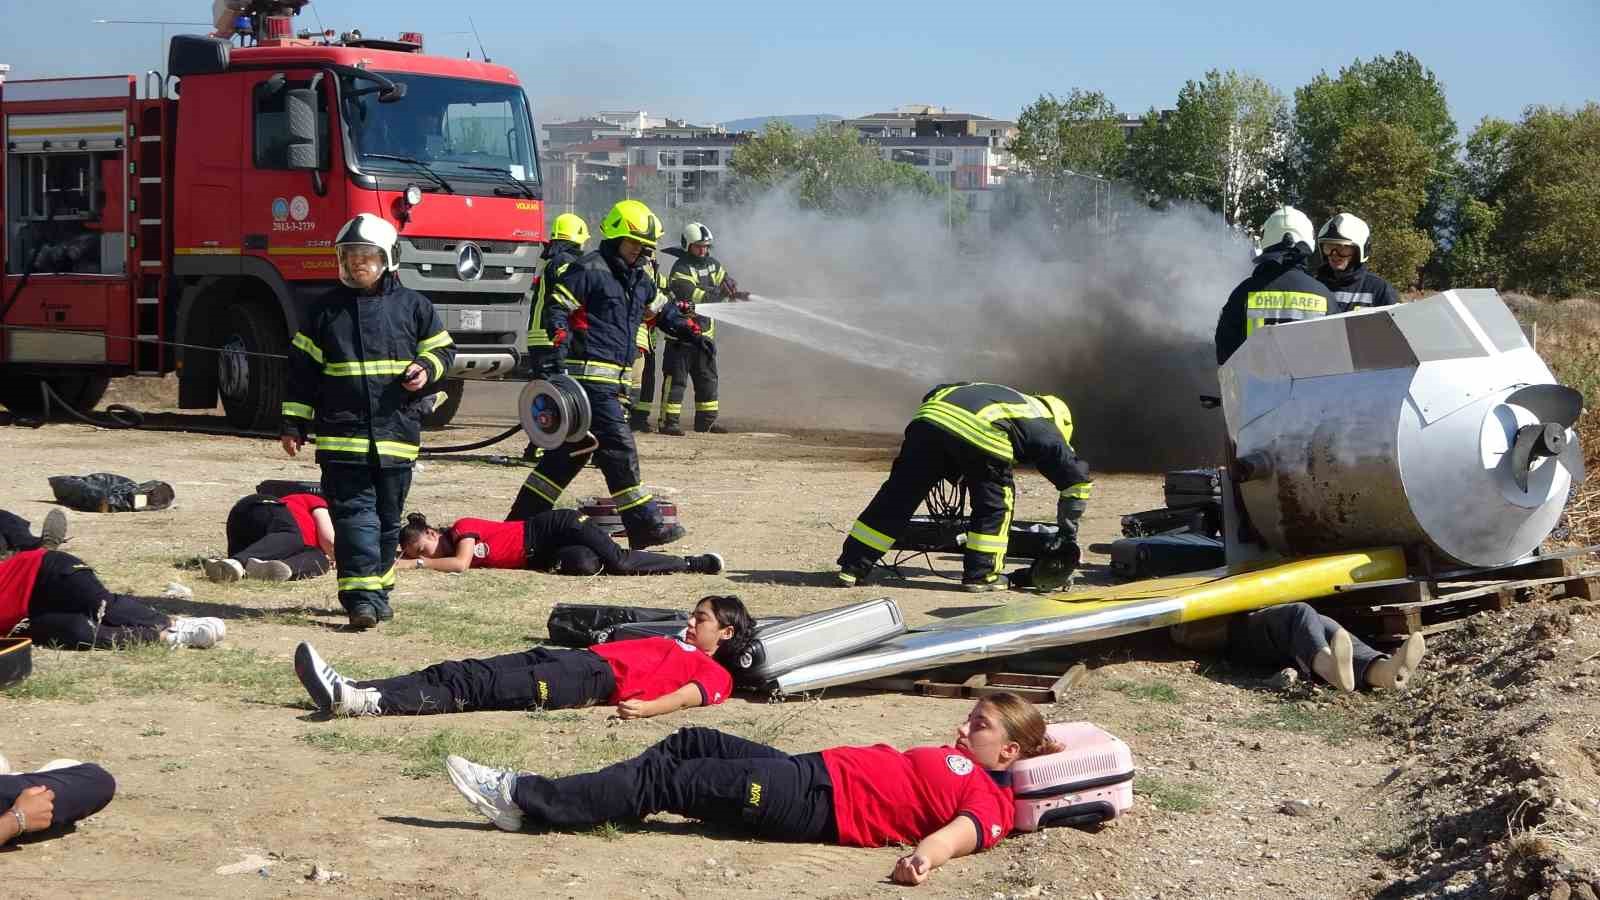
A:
x: 363, y: 616
x: 54, y: 532
x: 655, y: 536
x: 706, y: 564
x: 854, y: 574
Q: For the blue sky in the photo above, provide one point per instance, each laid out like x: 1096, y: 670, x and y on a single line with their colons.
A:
x: 709, y: 60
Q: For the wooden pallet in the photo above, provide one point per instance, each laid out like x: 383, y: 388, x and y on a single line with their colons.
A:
x: 1030, y: 687
x: 1427, y: 607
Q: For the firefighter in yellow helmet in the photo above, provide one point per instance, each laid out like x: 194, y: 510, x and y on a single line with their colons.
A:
x: 568, y: 234
x: 597, y: 304
x: 974, y: 432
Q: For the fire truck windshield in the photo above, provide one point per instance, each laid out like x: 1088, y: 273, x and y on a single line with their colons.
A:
x: 465, y: 130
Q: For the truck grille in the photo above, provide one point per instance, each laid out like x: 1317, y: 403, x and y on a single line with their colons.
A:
x: 469, y: 298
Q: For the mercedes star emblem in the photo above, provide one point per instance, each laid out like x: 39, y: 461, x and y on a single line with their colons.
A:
x: 469, y: 262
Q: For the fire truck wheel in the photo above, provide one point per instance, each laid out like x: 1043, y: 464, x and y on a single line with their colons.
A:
x: 442, y: 414
x: 20, y: 393
x: 249, y: 378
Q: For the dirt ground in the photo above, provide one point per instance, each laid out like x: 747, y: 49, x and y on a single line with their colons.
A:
x: 222, y: 767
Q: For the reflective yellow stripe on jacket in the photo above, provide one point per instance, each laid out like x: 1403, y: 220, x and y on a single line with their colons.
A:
x: 362, y: 447
x: 1266, y: 307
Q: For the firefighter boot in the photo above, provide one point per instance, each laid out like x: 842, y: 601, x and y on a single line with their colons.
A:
x: 669, y: 426
x: 654, y: 535
x: 639, y: 423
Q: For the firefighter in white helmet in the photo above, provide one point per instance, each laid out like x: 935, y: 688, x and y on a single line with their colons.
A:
x: 362, y: 360
x: 1344, y: 243
x: 697, y: 277
x: 1280, y: 289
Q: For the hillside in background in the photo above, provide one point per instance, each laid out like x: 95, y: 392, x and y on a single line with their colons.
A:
x: 756, y: 123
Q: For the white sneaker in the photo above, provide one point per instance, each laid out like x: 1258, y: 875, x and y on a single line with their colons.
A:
x: 5, y: 765
x: 488, y: 790
x: 1335, y: 664
x: 319, y: 679
x: 198, y: 633
x: 223, y: 571
x: 55, y: 764
x: 267, y: 569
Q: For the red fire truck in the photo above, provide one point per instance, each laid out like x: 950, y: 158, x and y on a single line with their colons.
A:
x: 189, y: 229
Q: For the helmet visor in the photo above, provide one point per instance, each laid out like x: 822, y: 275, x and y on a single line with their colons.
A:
x: 360, y: 265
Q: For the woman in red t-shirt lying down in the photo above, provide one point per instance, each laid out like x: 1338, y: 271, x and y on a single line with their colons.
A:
x: 946, y: 801
x: 558, y: 540
x: 275, y: 539
x: 643, y: 677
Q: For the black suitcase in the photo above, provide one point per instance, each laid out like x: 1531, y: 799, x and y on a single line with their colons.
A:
x: 1192, y: 487
x: 1026, y: 541
x: 587, y: 624
x: 1165, y: 554
x: 1188, y: 520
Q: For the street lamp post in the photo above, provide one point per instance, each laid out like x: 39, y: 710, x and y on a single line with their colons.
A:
x: 1105, y: 182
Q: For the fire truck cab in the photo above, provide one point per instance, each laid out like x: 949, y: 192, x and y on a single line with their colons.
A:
x: 190, y: 229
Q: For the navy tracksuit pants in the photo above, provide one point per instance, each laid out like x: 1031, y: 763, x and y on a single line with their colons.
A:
x: 562, y: 541
x: 70, y: 608
x: 700, y: 773
x: 540, y: 678
x: 80, y: 792
x: 366, y: 502
x: 261, y: 527
x: 617, y: 459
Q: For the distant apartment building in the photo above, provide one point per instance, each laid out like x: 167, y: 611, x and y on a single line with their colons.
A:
x: 689, y: 168
x: 557, y: 135
x: 920, y: 120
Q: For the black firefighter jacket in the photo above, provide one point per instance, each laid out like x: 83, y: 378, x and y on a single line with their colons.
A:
x: 345, y: 367
x: 601, y: 302
x: 1357, y: 287
x: 557, y: 256
x: 695, y: 280
x: 1011, y: 426
x: 1279, y: 290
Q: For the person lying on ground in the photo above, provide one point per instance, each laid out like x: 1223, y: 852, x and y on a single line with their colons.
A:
x: 1296, y: 634
x: 275, y: 539
x: 944, y: 801
x: 16, y: 533
x: 557, y: 540
x: 54, y: 797
x: 64, y: 605
x: 643, y: 677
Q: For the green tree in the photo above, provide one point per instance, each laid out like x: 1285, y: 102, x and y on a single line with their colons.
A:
x: 1379, y: 172
x: 1078, y: 133
x: 832, y: 168
x: 1220, y: 146
x: 1473, y: 257
x: 1395, y: 90
x: 1550, y: 196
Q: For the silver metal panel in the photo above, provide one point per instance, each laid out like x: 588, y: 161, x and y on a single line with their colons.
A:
x: 119, y: 86
x: 957, y: 643
x: 56, y: 347
x: 823, y: 635
x: 1408, y: 455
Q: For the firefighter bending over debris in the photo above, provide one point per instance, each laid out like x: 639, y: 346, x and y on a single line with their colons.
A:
x: 358, y: 370
x: 1279, y: 290
x: 977, y: 432
x: 697, y: 277
x: 599, y: 302
x: 1343, y: 241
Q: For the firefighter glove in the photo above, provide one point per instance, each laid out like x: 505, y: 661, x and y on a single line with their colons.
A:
x: 1068, y: 512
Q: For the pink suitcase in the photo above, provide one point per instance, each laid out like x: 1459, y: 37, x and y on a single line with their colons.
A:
x: 602, y: 513
x: 1088, y: 782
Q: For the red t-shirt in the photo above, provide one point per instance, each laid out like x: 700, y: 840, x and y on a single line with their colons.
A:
x: 647, y: 668
x: 17, y: 575
x: 300, y: 506
x: 883, y: 796
x: 500, y: 544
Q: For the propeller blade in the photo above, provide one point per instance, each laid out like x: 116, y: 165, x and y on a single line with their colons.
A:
x: 1550, y: 402
x: 1535, y: 442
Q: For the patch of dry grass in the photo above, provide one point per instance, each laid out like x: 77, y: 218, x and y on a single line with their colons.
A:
x: 1569, y: 341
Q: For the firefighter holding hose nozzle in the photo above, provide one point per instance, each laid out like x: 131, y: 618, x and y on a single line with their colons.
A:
x: 697, y: 277
x: 598, y: 303
x: 977, y: 432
